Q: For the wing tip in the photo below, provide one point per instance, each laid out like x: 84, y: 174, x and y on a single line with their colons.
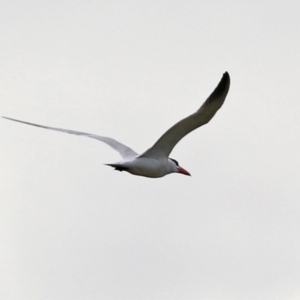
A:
x: 226, y: 76
x: 11, y: 119
x: 220, y: 92
x: 223, y: 86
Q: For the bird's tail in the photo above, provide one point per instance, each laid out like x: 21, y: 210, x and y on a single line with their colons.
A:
x: 118, y: 167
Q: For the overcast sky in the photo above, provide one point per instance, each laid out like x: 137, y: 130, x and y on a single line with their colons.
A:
x: 72, y: 228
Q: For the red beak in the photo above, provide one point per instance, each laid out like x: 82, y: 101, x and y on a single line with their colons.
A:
x: 183, y: 171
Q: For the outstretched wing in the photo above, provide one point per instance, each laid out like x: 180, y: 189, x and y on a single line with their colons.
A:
x: 124, y: 151
x: 203, y: 115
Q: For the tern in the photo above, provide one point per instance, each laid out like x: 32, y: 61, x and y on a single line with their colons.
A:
x: 155, y: 162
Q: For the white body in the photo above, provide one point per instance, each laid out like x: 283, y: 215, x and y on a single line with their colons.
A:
x: 147, y: 166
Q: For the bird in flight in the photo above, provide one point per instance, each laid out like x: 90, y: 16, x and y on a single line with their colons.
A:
x: 155, y: 162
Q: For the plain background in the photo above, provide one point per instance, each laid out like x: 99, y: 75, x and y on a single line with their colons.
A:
x: 72, y: 228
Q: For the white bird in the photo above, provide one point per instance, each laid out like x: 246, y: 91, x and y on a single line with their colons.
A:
x: 155, y: 162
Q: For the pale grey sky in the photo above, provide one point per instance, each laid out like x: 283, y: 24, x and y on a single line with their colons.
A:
x: 71, y: 228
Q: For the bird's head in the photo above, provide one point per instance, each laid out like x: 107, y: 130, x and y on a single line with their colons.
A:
x: 176, y: 168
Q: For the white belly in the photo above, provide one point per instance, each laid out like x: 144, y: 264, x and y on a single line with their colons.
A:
x: 148, y: 167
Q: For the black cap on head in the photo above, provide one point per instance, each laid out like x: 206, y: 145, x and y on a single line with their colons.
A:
x: 175, y: 161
